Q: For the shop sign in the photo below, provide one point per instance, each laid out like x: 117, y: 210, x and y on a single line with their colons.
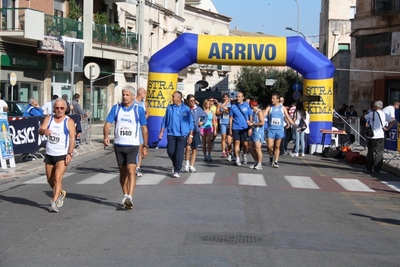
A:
x: 23, y: 62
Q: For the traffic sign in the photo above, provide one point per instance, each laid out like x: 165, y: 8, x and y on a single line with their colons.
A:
x: 270, y: 82
x: 92, y: 69
x: 13, y: 78
x: 297, y: 86
x: 296, y: 95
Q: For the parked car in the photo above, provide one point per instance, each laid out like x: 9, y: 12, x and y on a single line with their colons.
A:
x: 16, y: 108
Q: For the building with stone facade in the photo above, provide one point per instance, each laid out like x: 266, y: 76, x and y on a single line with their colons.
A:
x: 375, y: 54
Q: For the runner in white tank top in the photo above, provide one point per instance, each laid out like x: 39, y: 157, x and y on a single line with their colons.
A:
x: 60, y: 131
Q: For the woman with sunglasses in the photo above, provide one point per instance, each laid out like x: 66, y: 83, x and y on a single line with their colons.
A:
x: 60, y: 131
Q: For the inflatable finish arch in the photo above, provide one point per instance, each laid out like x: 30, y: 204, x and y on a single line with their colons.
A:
x: 293, y: 51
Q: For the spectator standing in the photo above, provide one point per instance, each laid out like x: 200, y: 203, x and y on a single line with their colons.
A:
x: 300, y: 114
x: 207, y: 130
x: 391, y: 109
x: 180, y: 125
x: 377, y: 119
x: 60, y: 132
x: 3, y: 105
x: 351, y: 113
x: 77, y: 107
x: 199, y: 117
x: 223, y: 112
x: 140, y: 101
x: 48, y: 106
x: 257, y: 136
x: 68, y: 110
x: 128, y: 117
x: 240, y: 116
x: 33, y: 108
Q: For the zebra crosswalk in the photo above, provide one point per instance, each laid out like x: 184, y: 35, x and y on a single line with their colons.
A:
x: 242, y: 179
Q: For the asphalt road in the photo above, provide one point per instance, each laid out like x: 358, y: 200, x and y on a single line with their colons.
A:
x: 309, y: 212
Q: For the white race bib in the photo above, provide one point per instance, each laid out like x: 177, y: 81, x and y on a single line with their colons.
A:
x: 125, y: 131
x: 276, y: 121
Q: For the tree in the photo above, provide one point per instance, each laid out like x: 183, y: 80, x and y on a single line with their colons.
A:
x: 251, y: 81
x: 75, y: 11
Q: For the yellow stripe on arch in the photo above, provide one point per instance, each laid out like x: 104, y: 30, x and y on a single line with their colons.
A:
x: 160, y: 88
x: 249, y: 51
x: 319, y: 110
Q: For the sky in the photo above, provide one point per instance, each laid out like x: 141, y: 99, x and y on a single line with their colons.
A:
x: 272, y: 16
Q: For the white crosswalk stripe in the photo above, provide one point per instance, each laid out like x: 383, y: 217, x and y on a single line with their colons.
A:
x: 43, y: 179
x: 200, y: 178
x: 251, y: 179
x: 353, y: 185
x: 150, y: 179
x: 100, y: 178
x: 393, y: 185
x: 301, y: 182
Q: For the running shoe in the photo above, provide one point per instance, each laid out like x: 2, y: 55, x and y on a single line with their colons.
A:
x: 302, y: 155
x: 60, y: 199
x: 252, y: 166
x: 205, y: 158
x: 128, y: 203
x: 258, y: 167
x: 138, y: 172
x: 294, y: 154
x: 245, y: 159
x: 224, y: 154
x: 187, y: 168
x: 123, y: 200
x: 53, y: 206
x: 229, y: 157
x: 192, y: 169
x: 209, y: 158
x: 176, y: 175
x: 271, y: 159
x: 275, y: 164
x: 238, y: 163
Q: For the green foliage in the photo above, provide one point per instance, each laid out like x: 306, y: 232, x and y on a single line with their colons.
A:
x: 251, y: 81
x: 75, y: 11
x: 101, y: 18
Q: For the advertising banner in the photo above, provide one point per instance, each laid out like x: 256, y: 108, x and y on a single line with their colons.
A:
x: 6, y: 144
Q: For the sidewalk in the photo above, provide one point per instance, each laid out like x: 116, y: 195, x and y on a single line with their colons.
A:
x: 29, y: 165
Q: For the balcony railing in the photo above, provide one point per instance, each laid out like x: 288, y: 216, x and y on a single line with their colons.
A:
x: 109, y: 35
x: 382, y: 7
x: 12, y: 19
x: 57, y: 26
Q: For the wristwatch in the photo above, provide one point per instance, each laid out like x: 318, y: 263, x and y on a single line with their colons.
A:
x: 71, y: 154
x: 146, y: 146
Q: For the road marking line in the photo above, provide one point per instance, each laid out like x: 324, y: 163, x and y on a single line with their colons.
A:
x: 43, y: 179
x: 353, y: 185
x: 301, y: 182
x: 100, y: 178
x: 251, y: 179
x: 393, y: 185
x: 200, y: 178
x: 150, y: 179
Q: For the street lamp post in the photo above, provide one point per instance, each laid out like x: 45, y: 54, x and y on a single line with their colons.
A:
x: 298, y: 17
x: 290, y: 29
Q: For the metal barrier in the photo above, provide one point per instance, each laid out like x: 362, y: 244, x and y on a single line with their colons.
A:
x: 83, y: 140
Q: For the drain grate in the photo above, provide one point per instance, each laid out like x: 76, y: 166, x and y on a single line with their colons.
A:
x: 231, y: 239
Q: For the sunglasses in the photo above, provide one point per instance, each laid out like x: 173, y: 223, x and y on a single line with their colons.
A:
x: 57, y: 108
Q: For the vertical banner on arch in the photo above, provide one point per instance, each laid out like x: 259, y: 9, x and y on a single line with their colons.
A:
x: 160, y: 88
x: 321, y: 112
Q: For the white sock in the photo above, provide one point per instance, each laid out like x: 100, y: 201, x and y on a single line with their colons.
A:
x: 187, y: 162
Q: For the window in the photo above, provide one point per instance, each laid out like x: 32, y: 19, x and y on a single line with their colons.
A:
x: 352, y: 12
x: 344, y: 46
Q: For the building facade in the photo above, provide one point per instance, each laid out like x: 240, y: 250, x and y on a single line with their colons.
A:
x: 375, y: 56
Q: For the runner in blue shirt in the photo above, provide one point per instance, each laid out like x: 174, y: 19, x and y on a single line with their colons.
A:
x: 240, y: 116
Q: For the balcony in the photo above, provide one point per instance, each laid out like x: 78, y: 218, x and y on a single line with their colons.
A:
x: 22, y: 23
x: 386, y: 7
x: 110, y: 35
x: 57, y: 26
